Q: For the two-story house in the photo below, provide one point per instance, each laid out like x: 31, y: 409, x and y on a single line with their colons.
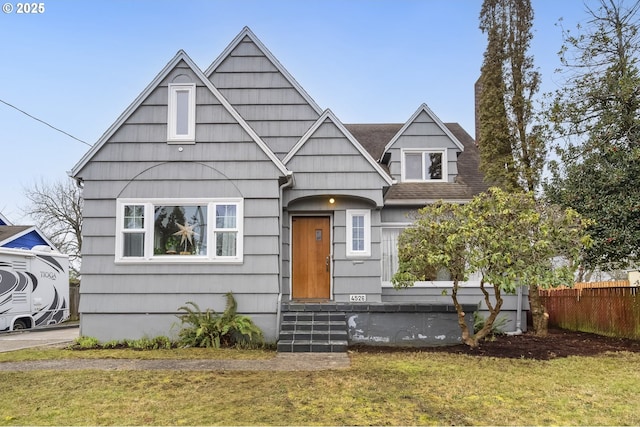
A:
x: 234, y: 179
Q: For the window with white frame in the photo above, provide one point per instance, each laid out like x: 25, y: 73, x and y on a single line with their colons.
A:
x: 181, y: 119
x: 358, y: 233
x: 389, y: 248
x: 424, y: 165
x: 390, y: 259
x: 177, y: 230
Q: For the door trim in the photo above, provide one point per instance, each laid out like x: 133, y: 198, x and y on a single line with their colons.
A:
x: 331, y: 263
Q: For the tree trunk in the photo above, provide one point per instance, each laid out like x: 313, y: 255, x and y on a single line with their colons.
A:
x: 539, y: 313
x: 467, y: 337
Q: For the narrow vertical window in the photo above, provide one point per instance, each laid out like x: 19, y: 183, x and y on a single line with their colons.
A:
x: 181, y: 119
x: 226, y: 230
x: 389, y: 252
x: 358, y: 233
x: 133, y: 231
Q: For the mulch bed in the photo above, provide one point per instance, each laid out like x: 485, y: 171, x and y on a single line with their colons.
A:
x: 558, y: 343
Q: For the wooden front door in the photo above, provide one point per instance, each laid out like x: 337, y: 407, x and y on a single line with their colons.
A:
x: 311, y: 258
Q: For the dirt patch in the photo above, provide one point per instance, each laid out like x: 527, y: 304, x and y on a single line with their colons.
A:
x: 558, y: 343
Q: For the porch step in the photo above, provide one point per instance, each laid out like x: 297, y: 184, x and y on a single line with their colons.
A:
x: 313, y: 332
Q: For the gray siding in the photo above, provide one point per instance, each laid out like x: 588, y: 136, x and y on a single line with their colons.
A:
x: 356, y: 275
x: 349, y: 275
x: 424, y: 133
x: 329, y: 164
x: 397, y: 215
x: 264, y: 97
x: 137, y: 162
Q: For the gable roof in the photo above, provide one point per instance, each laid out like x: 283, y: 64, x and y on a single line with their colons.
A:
x: 19, y: 235
x: 180, y: 56
x: 328, y: 115
x: 423, y: 109
x: 4, y: 220
x: 469, y: 181
x: 247, y: 33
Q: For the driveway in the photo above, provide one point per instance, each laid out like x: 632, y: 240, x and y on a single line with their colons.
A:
x: 10, y: 341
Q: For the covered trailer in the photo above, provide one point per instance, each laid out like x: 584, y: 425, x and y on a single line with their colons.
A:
x: 34, y: 288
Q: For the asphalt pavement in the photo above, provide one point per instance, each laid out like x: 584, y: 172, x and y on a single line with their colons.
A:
x: 10, y: 341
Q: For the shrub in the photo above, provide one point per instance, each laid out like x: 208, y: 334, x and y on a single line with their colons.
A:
x: 210, y: 329
x: 86, y: 343
x: 496, y: 328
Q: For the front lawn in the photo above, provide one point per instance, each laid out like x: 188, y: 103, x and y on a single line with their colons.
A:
x: 379, y: 389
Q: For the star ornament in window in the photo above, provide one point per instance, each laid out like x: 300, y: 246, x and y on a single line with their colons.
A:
x: 186, y: 234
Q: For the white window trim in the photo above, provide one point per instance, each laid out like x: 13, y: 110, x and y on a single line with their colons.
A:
x: 406, y: 151
x: 172, y: 136
x: 149, y: 256
x: 350, y: 253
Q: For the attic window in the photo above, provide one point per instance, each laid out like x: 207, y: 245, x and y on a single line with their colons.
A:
x: 181, y: 120
x: 424, y: 165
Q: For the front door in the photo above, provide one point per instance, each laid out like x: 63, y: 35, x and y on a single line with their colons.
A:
x: 311, y: 257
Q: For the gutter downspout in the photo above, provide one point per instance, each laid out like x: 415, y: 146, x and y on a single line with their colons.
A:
x: 287, y: 184
x: 518, y: 330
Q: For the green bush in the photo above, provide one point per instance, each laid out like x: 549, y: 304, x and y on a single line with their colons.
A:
x: 210, y: 329
x: 86, y: 343
x: 496, y: 329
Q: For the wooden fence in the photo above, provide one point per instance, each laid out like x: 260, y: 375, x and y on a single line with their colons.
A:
x: 74, y: 301
x: 602, y: 309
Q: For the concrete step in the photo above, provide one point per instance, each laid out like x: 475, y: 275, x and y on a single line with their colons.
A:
x: 314, y: 335
x: 311, y: 332
x: 304, y: 346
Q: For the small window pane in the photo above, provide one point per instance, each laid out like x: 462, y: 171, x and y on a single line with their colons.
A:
x: 357, y: 233
x: 226, y: 216
x: 133, y: 245
x: 134, y: 217
x: 226, y: 243
x: 433, y: 165
x: 180, y: 230
x: 182, y: 112
x: 413, y: 165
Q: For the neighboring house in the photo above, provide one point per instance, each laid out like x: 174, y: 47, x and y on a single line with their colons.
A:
x: 234, y: 179
x: 22, y: 236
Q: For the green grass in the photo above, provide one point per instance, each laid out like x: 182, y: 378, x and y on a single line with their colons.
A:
x: 380, y: 389
x: 178, y: 353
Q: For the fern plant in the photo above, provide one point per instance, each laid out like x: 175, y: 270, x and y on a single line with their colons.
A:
x: 210, y: 329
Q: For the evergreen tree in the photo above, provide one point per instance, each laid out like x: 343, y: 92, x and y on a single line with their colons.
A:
x: 512, y: 146
x: 598, y: 114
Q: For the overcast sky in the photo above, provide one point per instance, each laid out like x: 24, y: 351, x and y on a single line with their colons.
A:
x: 79, y: 64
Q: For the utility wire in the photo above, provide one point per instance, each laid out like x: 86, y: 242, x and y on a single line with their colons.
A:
x: 43, y: 122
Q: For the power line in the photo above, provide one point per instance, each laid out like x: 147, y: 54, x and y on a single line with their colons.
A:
x: 45, y: 123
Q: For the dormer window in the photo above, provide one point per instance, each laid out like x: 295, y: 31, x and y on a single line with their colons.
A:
x: 424, y: 165
x: 181, y: 120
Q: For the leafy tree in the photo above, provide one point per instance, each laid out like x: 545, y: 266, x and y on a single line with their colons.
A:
x: 597, y: 112
x: 508, y: 238
x: 56, y: 209
x: 512, y: 146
